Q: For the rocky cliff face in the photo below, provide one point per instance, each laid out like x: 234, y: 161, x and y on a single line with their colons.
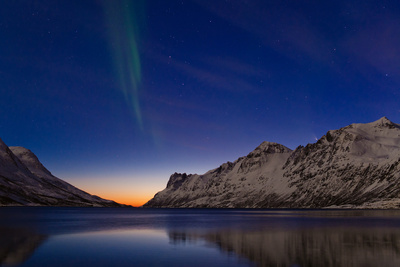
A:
x: 25, y: 181
x: 357, y: 166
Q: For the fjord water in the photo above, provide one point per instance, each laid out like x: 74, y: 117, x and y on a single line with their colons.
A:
x: 31, y: 236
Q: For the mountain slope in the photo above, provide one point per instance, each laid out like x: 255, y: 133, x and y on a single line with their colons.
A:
x: 25, y: 181
x: 355, y: 166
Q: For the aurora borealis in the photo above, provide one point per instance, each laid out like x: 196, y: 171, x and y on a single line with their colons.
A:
x: 123, y: 23
x: 115, y: 96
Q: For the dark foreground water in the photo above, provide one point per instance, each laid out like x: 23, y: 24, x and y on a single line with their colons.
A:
x: 203, y: 237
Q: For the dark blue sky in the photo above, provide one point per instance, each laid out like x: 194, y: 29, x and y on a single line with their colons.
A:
x: 114, y: 96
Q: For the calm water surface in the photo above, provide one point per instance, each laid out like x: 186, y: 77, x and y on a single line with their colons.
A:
x: 198, y: 237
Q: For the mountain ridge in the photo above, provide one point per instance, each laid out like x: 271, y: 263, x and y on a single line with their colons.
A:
x: 357, y: 166
x: 24, y: 181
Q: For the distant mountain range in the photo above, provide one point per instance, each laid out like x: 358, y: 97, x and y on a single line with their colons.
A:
x: 357, y: 166
x: 25, y: 181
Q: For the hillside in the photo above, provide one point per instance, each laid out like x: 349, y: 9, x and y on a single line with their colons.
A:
x: 357, y: 166
x: 24, y: 181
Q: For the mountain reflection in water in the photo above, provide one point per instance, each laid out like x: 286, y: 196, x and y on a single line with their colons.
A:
x: 165, y: 237
x: 346, y: 247
x: 17, y: 245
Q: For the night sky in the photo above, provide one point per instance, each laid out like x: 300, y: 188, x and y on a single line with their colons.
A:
x: 115, y: 96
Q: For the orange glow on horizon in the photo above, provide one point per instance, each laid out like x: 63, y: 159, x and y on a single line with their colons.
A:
x: 135, y: 201
x: 123, y: 192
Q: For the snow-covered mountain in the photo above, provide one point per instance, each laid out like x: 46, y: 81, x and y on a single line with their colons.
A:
x: 25, y: 181
x: 357, y: 166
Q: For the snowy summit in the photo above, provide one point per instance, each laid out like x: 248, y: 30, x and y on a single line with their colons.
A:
x: 357, y: 166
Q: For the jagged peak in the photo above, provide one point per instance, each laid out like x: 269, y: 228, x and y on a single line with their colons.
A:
x: 384, y: 119
x: 224, y: 167
x: 7, y: 154
x: 268, y: 148
x: 384, y: 122
x: 272, y: 147
x: 29, y: 159
x: 176, y: 179
x: 381, y: 123
x: 22, y: 151
x: 3, y: 146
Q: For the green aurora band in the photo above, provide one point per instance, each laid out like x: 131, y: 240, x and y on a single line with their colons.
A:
x: 124, y: 19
